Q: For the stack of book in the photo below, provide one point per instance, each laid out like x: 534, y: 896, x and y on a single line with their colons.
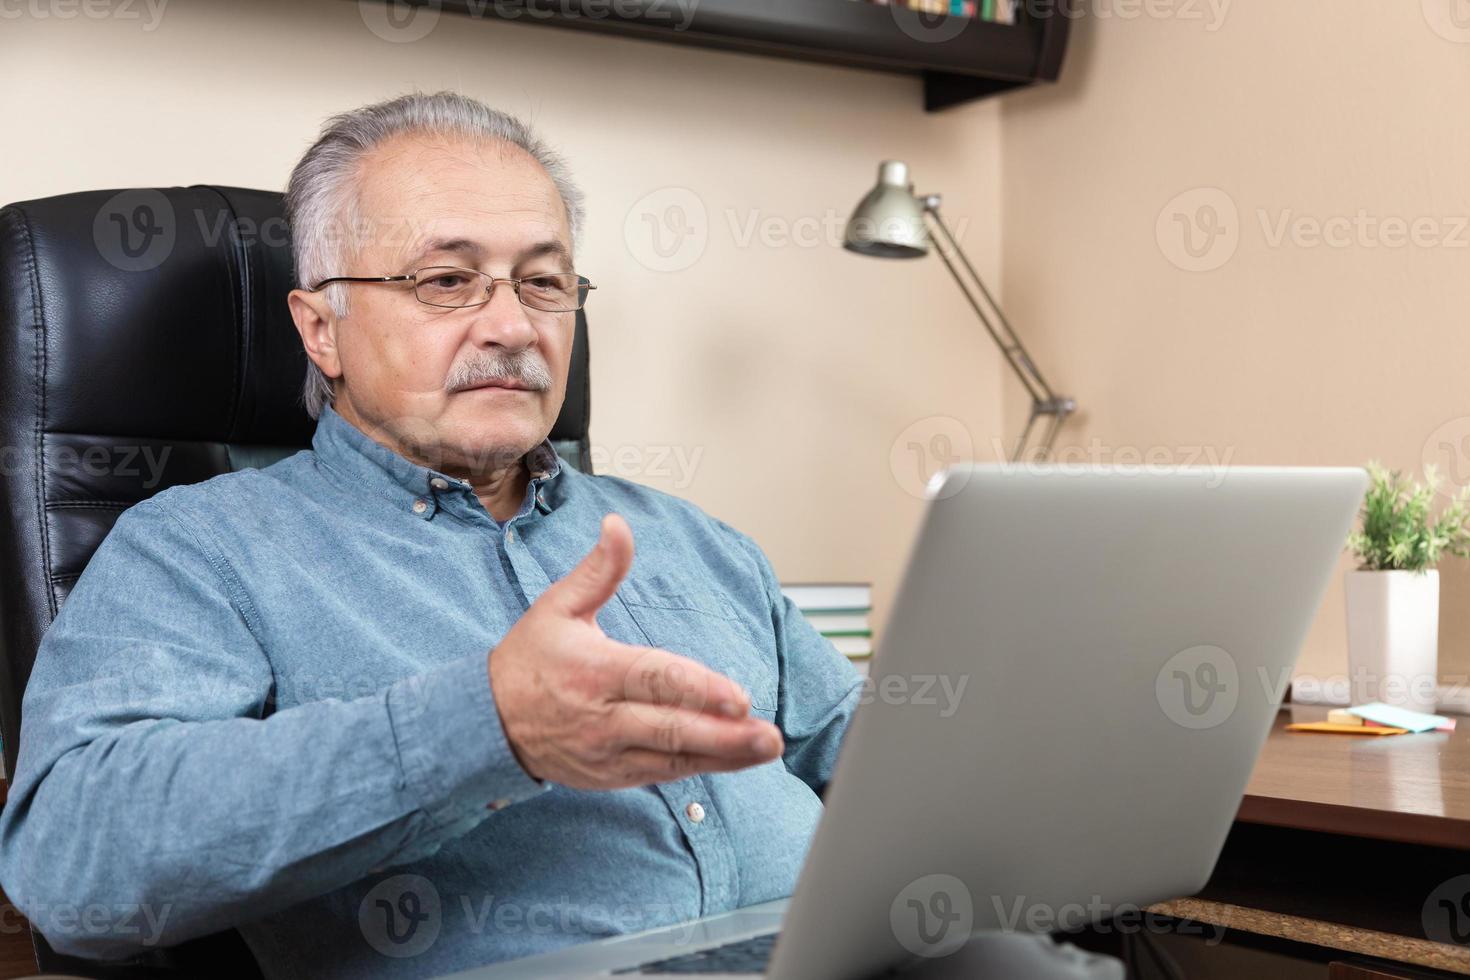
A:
x: 839, y: 611
x: 996, y: 11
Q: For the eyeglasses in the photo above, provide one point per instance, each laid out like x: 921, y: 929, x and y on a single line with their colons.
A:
x: 455, y: 288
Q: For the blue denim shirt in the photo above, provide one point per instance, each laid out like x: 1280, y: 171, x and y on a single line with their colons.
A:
x: 265, y: 705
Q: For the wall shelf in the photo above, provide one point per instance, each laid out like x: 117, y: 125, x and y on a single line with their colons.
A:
x: 959, y: 60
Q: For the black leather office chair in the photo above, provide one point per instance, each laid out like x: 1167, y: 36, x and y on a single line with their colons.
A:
x: 144, y: 321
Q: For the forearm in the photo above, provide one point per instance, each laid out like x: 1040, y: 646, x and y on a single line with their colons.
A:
x: 207, y: 823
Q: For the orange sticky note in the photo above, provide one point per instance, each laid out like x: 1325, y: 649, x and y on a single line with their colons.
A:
x: 1327, y: 726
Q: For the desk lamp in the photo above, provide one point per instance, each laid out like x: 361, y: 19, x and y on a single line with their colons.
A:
x: 889, y: 224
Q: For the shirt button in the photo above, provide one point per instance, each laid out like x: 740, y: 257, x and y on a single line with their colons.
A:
x: 419, y: 506
x: 439, y: 483
x: 510, y: 535
x: 695, y: 813
x: 500, y: 804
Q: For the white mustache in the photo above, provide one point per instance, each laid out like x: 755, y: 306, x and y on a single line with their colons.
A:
x: 524, y: 367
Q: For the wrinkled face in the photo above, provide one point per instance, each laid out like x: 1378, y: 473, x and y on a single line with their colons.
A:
x: 463, y: 390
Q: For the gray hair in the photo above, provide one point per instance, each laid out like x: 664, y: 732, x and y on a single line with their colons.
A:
x: 321, y: 198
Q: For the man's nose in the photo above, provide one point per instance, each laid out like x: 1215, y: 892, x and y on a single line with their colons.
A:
x: 503, y: 321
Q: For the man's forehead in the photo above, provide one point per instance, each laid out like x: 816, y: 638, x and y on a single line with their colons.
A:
x: 421, y: 193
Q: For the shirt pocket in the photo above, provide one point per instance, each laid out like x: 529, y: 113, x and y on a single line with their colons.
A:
x: 702, y: 624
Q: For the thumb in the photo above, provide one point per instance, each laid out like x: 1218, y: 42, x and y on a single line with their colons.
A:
x: 586, y: 588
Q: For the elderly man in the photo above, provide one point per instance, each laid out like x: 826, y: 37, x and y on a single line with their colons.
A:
x: 407, y: 702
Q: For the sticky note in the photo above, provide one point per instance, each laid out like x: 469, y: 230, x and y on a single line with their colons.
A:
x: 1327, y: 726
x: 1387, y: 714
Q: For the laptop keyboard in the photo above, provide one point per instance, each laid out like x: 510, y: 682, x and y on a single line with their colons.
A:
x: 742, y: 956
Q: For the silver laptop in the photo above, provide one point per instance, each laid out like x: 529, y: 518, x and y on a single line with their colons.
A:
x: 1123, y: 639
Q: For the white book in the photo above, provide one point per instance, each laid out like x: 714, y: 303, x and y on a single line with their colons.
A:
x: 830, y: 596
x: 852, y: 646
x: 839, y: 622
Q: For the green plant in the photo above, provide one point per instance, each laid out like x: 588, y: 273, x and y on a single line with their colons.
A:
x: 1397, y: 531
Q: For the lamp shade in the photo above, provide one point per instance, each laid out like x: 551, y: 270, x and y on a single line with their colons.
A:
x: 889, y: 221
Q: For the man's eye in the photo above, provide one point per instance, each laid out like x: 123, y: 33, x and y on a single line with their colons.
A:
x: 546, y: 283
x: 449, y: 281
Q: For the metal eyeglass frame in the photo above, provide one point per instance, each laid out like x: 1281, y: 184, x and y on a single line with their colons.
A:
x: 584, y: 286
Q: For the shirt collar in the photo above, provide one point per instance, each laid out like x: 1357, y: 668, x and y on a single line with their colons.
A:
x: 346, y: 449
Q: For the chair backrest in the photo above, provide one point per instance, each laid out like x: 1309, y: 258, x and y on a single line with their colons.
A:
x: 144, y: 342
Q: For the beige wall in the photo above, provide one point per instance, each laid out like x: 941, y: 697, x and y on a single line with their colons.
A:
x: 1290, y: 349
x: 781, y: 366
x: 794, y: 378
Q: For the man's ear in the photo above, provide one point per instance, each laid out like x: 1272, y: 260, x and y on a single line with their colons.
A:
x: 317, y: 325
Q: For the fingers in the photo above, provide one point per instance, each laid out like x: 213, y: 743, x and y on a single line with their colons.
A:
x: 588, y: 587
x: 677, y: 731
x: 656, y: 677
x: 639, y: 767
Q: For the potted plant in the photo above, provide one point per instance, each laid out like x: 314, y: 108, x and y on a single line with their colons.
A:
x: 1393, y: 595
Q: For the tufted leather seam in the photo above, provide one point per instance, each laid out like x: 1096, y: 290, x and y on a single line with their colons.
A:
x: 39, y: 322
x: 60, y: 504
x: 238, y: 279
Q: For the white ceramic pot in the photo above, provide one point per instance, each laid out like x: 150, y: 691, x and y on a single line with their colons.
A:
x: 1393, y: 638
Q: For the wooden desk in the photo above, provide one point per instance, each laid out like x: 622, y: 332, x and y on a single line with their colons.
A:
x: 1414, y: 789
x: 1341, y: 841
